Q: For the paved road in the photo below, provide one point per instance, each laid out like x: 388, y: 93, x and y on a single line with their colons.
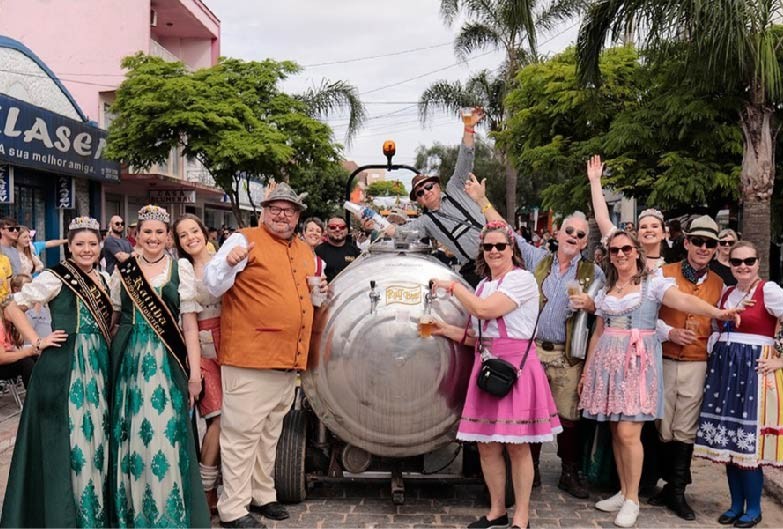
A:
x: 368, y: 505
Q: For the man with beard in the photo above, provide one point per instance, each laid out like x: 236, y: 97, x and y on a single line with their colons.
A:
x: 116, y: 248
x: 338, y: 250
x: 553, y: 271
x: 685, y: 363
x: 9, y: 233
x: 262, y: 272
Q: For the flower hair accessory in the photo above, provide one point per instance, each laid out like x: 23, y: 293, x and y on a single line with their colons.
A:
x: 80, y: 223
x: 652, y: 212
x: 497, y: 225
x: 151, y: 212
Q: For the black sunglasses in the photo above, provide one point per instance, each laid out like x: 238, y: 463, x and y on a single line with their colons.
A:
x: 748, y: 261
x: 579, y: 234
x: 12, y: 228
x: 614, y: 250
x: 727, y: 243
x: 425, y: 187
x: 700, y: 241
x: 499, y: 245
x: 119, y: 224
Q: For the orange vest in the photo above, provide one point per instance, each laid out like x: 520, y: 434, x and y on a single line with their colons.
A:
x: 267, y: 315
x: 709, y: 290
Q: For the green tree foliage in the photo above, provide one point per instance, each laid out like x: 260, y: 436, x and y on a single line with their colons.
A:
x: 440, y: 160
x: 667, y: 146
x: 234, y: 119
x: 387, y: 188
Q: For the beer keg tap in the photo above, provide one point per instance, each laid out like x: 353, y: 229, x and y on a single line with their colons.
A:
x: 374, y: 297
x: 428, y: 299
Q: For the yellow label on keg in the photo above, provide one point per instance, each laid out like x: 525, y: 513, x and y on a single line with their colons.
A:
x: 406, y: 295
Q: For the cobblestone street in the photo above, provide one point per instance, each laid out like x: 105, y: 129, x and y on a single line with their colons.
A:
x: 368, y: 504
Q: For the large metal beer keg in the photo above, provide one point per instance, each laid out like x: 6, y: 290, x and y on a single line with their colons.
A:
x: 372, y: 380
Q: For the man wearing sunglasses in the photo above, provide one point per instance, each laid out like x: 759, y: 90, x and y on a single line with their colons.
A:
x: 452, y: 218
x: 9, y: 233
x: 685, y: 363
x: 117, y: 249
x: 553, y: 271
x: 338, y: 250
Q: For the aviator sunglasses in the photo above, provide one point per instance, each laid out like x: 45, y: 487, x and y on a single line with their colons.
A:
x: 579, y: 234
x: 499, y: 245
x: 425, y: 187
x: 748, y: 261
x: 700, y: 241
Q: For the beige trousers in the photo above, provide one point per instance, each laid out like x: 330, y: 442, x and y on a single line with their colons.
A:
x: 683, y: 391
x: 254, y: 404
x: 563, y: 381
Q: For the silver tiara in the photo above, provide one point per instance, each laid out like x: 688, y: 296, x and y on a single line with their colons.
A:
x: 151, y: 212
x: 80, y: 223
x: 652, y: 212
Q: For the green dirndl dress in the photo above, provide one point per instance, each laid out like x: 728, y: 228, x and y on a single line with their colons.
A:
x: 60, y: 462
x: 155, y: 479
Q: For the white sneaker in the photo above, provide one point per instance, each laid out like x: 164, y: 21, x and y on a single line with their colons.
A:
x: 612, y: 504
x: 628, y: 514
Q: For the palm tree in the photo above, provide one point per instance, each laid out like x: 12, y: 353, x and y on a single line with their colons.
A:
x: 336, y: 96
x: 507, y: 25
x: 729, y: 47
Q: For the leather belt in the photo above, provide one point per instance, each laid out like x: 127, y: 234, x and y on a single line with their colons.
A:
x: 282, y: 370
x: 549, y: 346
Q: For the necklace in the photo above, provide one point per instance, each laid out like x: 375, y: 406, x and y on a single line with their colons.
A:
x: 653, y: 257
x: 620, y: 288
x: 747, y: 292
x: 159, y: 259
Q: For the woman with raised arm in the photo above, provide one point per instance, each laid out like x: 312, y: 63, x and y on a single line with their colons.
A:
x: 622, y: 381
x: 59, y: 469
x: 651, y: 231
x: 154, y: 478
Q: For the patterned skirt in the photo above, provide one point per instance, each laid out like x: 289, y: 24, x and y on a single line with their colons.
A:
x: 741, y: 419
x: 527, y: 414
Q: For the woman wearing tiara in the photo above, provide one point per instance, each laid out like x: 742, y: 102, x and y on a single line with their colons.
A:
x: 60, y: 462
x: 154, y: 478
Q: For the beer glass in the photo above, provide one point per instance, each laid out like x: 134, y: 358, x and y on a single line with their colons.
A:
x: 426, y: 325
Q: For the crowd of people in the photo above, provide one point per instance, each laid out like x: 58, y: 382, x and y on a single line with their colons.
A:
x: 145, y: 328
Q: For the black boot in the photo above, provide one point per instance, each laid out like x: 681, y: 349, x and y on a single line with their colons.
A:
x: 571, y: 483
x: 681, y: 477
x: 535, y: 452
x: 662, y: 498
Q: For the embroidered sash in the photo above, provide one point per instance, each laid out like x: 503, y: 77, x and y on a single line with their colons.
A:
x: 154, y: 310
x: 96, y: 300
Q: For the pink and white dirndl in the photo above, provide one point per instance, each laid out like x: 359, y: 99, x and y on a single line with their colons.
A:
x: 527, y: 414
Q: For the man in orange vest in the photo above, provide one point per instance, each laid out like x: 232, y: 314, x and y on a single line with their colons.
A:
x: 265, y: 327
x: 685, y: 363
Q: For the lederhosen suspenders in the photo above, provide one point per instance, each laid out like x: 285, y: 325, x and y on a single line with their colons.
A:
x: 459, y: 229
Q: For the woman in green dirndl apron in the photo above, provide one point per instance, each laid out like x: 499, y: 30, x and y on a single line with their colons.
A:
x: 60, y: 462
x: 154, y: 479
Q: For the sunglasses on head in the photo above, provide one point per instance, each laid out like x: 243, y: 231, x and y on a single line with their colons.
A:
x: 487, y: 246
x: 748, y: 261
x: 614, y: 250
x: 579, y: 234
x: 726, y: 243
x: 698, y: 242
x: 336, y: 226
x: 426, y: 187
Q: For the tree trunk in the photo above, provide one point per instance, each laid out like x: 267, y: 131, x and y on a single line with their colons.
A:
x: 758, y: 177
x: 511, y: 191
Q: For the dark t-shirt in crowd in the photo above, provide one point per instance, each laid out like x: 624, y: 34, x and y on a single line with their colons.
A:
x: 337, y: 257
x: 113, y: 245
x: 724, y: 272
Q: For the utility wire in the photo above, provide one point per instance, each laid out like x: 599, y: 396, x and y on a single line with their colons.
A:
x: 370, y: 57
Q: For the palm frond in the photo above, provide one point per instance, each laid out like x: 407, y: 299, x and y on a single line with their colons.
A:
x: 559, y: 11
x: 449, y: 10
x: 444, y: 96
x: 330, y: 97
x: 474, y: 36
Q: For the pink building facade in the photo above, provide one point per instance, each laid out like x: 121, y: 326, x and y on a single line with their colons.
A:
x: 84, y: 42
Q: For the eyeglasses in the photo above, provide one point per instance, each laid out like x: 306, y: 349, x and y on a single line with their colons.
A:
x: 698, y: 242
x: 336, y: 226
x: 12, y: 228
x: 579, y: 234
x: 276, y: 210
x: 425, y: 187
x: 727, y: 243
x: 501, y: 246
x: 614, y: 250
x: 748, y: 261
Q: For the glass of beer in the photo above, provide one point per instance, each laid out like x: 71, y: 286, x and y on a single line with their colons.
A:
x: 426, y: 324
x: 467, y: 115
x: 574, y: 287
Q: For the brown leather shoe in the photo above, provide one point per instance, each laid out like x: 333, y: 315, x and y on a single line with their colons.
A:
x: 212, y: 500
x: 570, y: 482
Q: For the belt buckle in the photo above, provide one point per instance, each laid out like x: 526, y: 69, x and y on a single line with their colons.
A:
x: 547, y: 346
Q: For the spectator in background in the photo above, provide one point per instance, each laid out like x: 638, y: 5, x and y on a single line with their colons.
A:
x: 313, y: 232
x: 676, y: 251
x: 38, y: 315
x: 599, y: 254
x: 40, y: 246
x: 6, y: 273
x: 29, y: 260
x: 213, y: 239
x: 338, y: 250
x: 720, y: 264
x: 9, y: 233
x: 118, y: 249
x: 132, y: 234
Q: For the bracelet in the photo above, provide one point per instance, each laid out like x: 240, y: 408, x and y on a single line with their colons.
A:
x: 470, y: 130
x: 486, y: 207
x: 451, y: 288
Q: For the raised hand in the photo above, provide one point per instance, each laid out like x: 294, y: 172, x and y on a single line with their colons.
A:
x: 475, y: 189
x: 476, y: 117
x: 238, y: 254
x: 595, y: 168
